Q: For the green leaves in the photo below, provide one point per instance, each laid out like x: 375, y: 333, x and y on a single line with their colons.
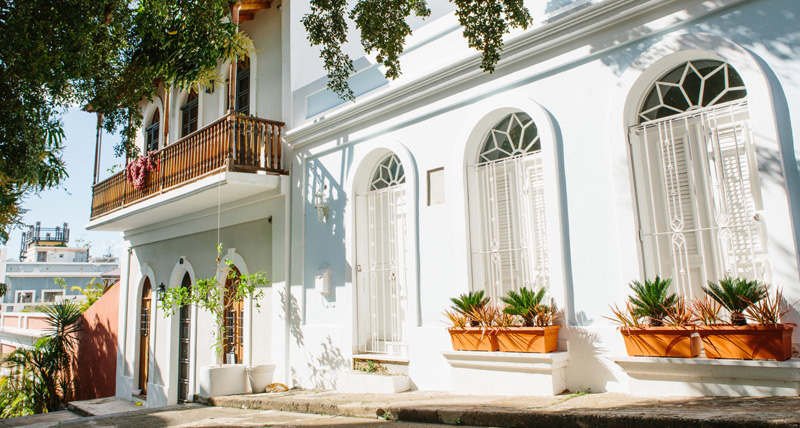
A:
x: 466, y: 304
x: 106, y: 55
x: 652, y: 299
x: 523, y: 304
x: 44, y: 381
x: 384, y: 30
x: 326, y: 26
x: 736, y: 295
x: 486, y: 22
x: 210, y: 294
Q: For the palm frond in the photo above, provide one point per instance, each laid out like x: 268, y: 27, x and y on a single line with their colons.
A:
x: 736, y: 295
x: 523, y: 304
x: 652, y: 299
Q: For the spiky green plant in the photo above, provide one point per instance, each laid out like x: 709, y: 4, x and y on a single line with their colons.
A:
x: 652, y: 299
x: 546, y: 314
x: 770, y: 309
x: 46, y: 367
x: 625, y: 316
x: 523, y: 304
x: 736, y: 295
x: 466, y: 304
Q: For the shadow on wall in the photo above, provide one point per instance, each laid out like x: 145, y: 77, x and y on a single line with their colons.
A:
x: 586, y: 356
x: 748, y: 26
x: 294, y: 318
x: 95, y: 366
x: 323, y: 367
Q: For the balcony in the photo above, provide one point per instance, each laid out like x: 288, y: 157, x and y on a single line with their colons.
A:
x: 240, y: 153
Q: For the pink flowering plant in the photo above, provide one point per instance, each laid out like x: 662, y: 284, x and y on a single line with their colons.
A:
x: 136, y: 170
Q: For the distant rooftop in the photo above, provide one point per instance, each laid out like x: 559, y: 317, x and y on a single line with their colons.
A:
x: 39, y: 236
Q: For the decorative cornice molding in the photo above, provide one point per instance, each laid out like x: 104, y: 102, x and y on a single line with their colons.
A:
x: 570, y: 27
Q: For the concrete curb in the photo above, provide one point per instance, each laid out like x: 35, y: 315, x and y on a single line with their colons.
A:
x: 563, y: 413
x: 487, y: 417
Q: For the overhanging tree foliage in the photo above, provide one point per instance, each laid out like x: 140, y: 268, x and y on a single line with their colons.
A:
x: 106, y: 55
x: 384, y: 29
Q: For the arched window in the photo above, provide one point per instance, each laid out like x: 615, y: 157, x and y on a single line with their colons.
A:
x: 243, y: 86
x: 697, y: 186
x: 507, y: 215
x: 184, y: 337
x: 151, y: 133
x: 233, y: 340
x: 691, y: 86
x: 382, y: 293
x: 189, y: 115
x: 387, y: 174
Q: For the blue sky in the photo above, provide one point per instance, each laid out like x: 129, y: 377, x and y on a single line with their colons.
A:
x: 71, y: 202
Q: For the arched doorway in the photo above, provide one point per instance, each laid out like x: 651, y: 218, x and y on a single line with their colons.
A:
x: 697, y: 187
x: 382, y: 295
x: 233, y: 337
x: 144, y: 335
x: 508, y: 228
x: 184, y: 342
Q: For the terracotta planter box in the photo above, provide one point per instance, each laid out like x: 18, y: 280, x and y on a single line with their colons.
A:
x: 528, y: 339
x: 748, y: 342
x: 668, y: 341
x: 473, y: 339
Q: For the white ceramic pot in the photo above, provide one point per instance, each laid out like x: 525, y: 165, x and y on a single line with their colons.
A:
x: 226, y: 379
x: 260, y: 377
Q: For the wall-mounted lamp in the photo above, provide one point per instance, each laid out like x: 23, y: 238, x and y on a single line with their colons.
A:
x: 161, y: 291
x: 321, y: 205
x: 210, y: 89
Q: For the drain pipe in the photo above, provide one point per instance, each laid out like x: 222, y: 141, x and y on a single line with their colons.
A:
x: 123, y: 319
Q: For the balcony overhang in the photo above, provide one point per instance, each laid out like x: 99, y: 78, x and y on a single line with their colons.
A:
x: 210, y: 191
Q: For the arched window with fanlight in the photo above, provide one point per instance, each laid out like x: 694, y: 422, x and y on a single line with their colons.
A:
x: 189, y: 114
x: 697, y: 188
x: 151, y: 133
x: 382, y: 292
x: 507, y: 209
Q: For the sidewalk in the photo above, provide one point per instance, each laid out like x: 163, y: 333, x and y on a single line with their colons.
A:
x: 584, y: 410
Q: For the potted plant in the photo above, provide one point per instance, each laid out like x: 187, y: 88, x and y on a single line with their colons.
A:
x: 209, y: 294
x: 472, y: 321
x: 537, y: 332
x: 744, y: 299
x: 655, y: 323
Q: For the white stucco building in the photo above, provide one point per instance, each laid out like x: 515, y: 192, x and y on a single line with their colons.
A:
x: 617, y: 140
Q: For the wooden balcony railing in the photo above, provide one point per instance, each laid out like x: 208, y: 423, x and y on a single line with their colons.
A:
x: 233, y: 143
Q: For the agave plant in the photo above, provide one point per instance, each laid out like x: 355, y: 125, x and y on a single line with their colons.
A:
x: 466, y: 303
x: 523, y: 304
x: 652, y: 299
x: 736, y: 295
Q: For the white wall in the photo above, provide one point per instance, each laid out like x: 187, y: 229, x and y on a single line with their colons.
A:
x: 577, y: 83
